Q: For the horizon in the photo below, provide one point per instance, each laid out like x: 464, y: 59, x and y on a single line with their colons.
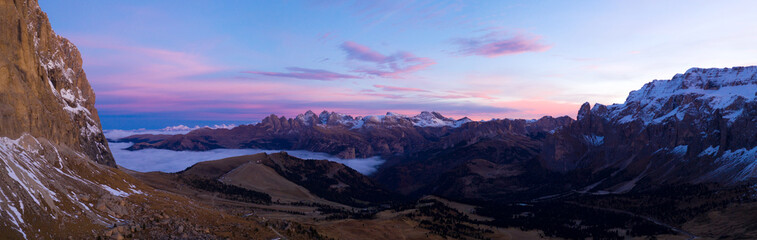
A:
x: 232, y: 124
x: 158, y: 64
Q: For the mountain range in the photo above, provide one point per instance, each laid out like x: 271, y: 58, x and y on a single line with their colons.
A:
x: 693, y: 130
x: 697, y: 127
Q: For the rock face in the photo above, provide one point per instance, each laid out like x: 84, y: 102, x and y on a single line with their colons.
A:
x: 57, y: 174
x: 58, y: 179
x: 699, y: 126
x: 43, y: 89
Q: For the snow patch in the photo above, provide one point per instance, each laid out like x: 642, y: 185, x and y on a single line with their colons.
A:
x: 745, y: 160
x: 67, y: 95
x: 22, y: 168
x: 594, y: 140
x: 733, y: 115
x: 76, y: 110
x: 16, y: 219
x: 114, y: 192
x: 679, y: 150
x: 709, y: 151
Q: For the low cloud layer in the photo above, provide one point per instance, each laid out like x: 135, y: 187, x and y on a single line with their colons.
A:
x: 148, y: 160
x: 399, y: 89
x: 115, y: 134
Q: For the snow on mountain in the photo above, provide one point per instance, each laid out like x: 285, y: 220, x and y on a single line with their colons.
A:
x: 696, y: 92
x: 594, y: 140
x: 43, y: 180
x: 434, y: 119
x: 735, y: 165
x: 704, y: 119
x: 424, y: 119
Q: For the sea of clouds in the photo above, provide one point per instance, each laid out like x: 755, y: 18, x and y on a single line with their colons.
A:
x: 147, y: 160
x: 115, y: 134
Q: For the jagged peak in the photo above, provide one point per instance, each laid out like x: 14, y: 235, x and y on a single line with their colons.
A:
x: 732, y: 74
x: 424, y: 119
x: 584, y: 111
x: 393, y: 114
x: 698, y: 89
x: 599, y: 109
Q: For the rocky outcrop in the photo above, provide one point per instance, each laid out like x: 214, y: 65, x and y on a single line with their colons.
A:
x: 43, y: 89
x: 697, y: 127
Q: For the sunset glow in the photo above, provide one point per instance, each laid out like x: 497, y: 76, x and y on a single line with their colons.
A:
x: 154, y: 64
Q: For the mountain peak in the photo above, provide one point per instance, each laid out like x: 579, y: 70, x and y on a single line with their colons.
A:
x: 584, y: 110
x: 698, y: 91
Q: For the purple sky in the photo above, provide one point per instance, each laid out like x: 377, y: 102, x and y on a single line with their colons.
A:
x: 159, y: 63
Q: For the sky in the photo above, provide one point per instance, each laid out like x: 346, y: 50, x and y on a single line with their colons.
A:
x: 162, y: 63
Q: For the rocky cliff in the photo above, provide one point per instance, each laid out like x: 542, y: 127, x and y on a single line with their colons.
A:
x: 58, y: 179
x: 43, y: 89
x: 699, y: 126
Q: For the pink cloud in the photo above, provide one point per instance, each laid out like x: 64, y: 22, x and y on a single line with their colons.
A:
x: 359, y: 52
x: 305, y: 73
x: 497, y: 44
x: 481, y: 94
x: 325, y: 37
x: 384, y: 95
x: 446, y: 96
x: 399, y: 89
x: 397, y: 65
x: 133, y: 80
